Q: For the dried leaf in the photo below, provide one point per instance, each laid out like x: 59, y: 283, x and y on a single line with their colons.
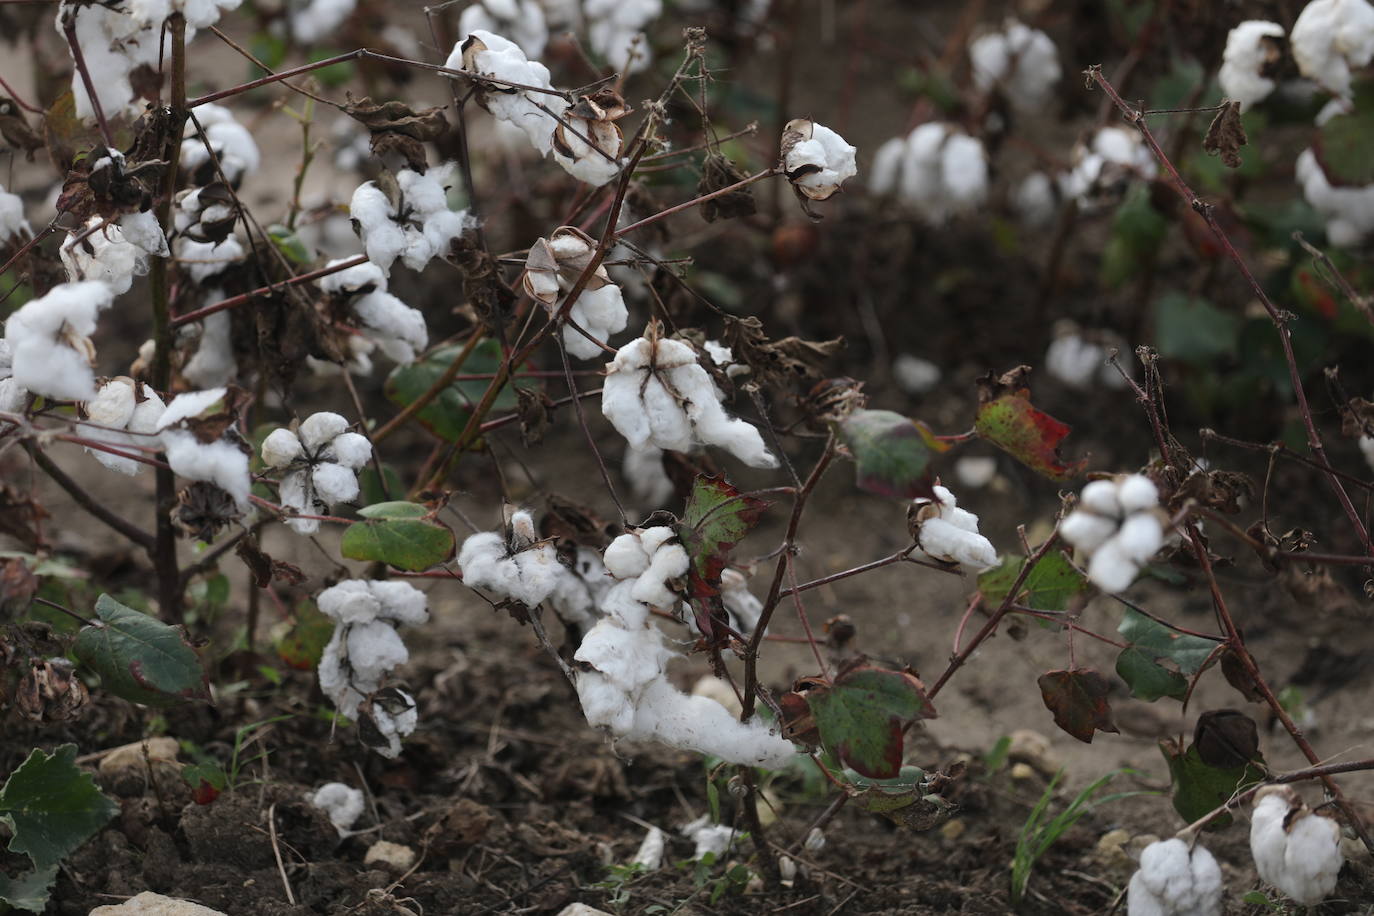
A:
x: 719, y: 172
x: 782, y: 362
x: 16, y: 130
x: 1078, y: 699
x: 398, y: 129
x: 1226, y: 135
x: 1226, y: 738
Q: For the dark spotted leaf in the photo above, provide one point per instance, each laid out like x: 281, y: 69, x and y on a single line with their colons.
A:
x: 1007, y: 418
x: 140, y: 658
x: 51, y: 807
x: 1078, y: 699
x: 1226, y: 135
x: 1200, y: 788
x: 891, y: 452
x: 861, y: 715
x: 400, y: 534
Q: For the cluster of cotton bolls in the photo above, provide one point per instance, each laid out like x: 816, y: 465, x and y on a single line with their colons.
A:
x: 551, y: 269
x: 1079, y: 360
x: 1116, y: 524
x: 516, y: 565
x: 123, y: 404
x: 1020, y: 61
x: 204, y: 242
x: 365, y: 649
x: 229, y: 140
x: 815, y: 158
x: 322, y: 459
x: 656, y: 393
x: 623, y: 685
x: 1174, y: 880
x: 49, y: 340
x: 937, y: 170
x: 115, y: 252
x: 1110, y: 159
x: 416, y: 226
x: 1330, y: 39
x: 947, y: 533
x: 395, y: 327
x: 1253, y: 49
x: 1295, y: 850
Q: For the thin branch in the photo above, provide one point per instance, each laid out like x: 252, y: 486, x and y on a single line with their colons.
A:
x: 88, y: 502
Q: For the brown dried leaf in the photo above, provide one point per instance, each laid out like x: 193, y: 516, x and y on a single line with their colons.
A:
x: 397, y: 129
x: 784, y: 361
x: 1357, y: 418
x: 718, y: 172
x: 1226, y: 135
x: 16, y: 130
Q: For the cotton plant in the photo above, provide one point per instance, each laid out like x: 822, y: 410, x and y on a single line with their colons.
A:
x: 313, y: 20
x: 321, y: 459
x: 1348, y: 210
x: 1020, y: 61
x: 816, y: 159
x: 113, y: 252
x: 1295, y: 850
x: 522, y: 20
x: 656, y: 393
x: 622, y: 683
x: 937, y: 170
x: 553, y: 267
x: 398, y: 330
x: 1110, y: 158
x: 1253, y: 51
x: 1117, y: 525
x: 13, y: 225
x: 535, y: 113
x: 949, y: 534
x: 615, y: 31
x: 413, y: 222
x: 1175, y: 880
x: 363, y: 651
x: 123, y: 404
x: 222, y: 462
x: 1331, y: 39
x: 231, y: 142
x: 49, y: 339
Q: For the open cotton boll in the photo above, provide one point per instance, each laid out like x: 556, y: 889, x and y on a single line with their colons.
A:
x: 1020, y: 60
x: 649, y: 482
x: 1136, y: 492
x: 1332, y: 37
x: 1252, y: 48
x: 1348, y: 211
x: 529, y: 576
x: 1113, y: 155
x: 213, y: 363
x: 1086, y: 530
x: 1295, y: 850
x: 350, y: 601
x: 49, y: 339
x: 200, y: 14
x: 334, y: 483
x: 113, y: 44
x: 393, y: 724
x: 1036, y: 199
x: 651, y: 588
x: 12, y: 222
x: 221, y: 463
x: 231, y: 142
x: 615, y: 31
x: 400, y: 601
x: 280, y: 448
x: 398, y: 329
x: 595, y: 163
x: 104, y: 255
x: 914, y: 374
x: 417, y: 228
x: 942, y: 172
x: 343, y: 804
x: 203, y: 260
x: 522, y: 20
x: 740, y: 603
x: 352, y: 450
x: 886, y: 170
x: 816, y: 159
x: 946, y: 532
x: 312, y: 20
x: 117, y: 405
x: 708, y: 838
x: 374, y: 648
x: 320, y: 429
x: 489, y: 54
x: 1074, y: 361
x: 1175, y: 881
x: 977, y: 471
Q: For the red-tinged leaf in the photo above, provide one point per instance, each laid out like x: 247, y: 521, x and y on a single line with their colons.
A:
x: 1078, y: 699
x: 302, y: 646
x: 860, y: 716
x: 1007, y: 418
x: 204, y: 794
x: 717, y: 518
x: 891, y: 452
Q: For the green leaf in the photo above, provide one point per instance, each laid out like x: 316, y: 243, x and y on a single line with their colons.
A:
x: 1078, y: 699
x: 1147, y: 678
x: 371, y: 485
x: 1199, y: 788
x: 861, y: 715
x: 717, y: 517
x: 290, y: 244
x: 891, y: 452
x: 1193, y: 330
x: 403, y: 541
x: 1048, y: 587
x: 30, y: 890
x: 1189, y: 653
x: 394, y: 509
x: 1031, y: 436
x: 1137, y: 231
x: 447, y: 414
x: 140, y: 658
x: 1342, y: 144
x: 52, y: 807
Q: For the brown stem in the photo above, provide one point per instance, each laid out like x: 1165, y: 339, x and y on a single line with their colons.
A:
x: 1279, y: 319
x: 772, y: 875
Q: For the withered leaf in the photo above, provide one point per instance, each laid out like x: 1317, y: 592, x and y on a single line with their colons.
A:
x: 1226, y: 738
x: 718, y: 172
x: 1226, y: 135
x: 16, y: 130
x: 265, y: 568
x: 1357, y: 418
x: 398, y: 128
x: 784, y: 361
x: 1219, y: 490
x: 534, y: 414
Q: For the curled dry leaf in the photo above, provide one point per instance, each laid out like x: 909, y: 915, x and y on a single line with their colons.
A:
x: 1226, y: 135
x: 398, y: 128
x: 718, y: 172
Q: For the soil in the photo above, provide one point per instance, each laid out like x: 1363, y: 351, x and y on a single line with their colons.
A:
x: 514, y: 805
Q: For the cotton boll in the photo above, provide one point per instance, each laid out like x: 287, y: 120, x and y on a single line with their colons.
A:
x: 650, y: 484
x: 1329, y: 38
x: 594, y: 164
x: 523, y: 20
x: 1174, y: 881
x: 1112, y: 155
x: 1295, y: 850
x: 1074, y: 361
x: 1348, y: 211
x: 708, y: 838
x: 143, y: 231
x: 374, y: 648
x: 334, y: 483
x: 599, y: 312
x: 887, y: 166
x: 1140, y: 536
x: 231, y: 142
x: 1111, y: 568
x: 12, y: 222
x: 383, y: 239
x: 103, y: 255
x: 1036, y: 200
x: 49, y: 341
x: 203, y: 260
x: 976, y: 472
x: 649, y: 856
x: 280, y: 448
x: 1100, y: 496
x: 740, y: 603
x: 490, y: 54
x: 350, y: 601
x: 343, y: 804
x: 1086, y: 530
x: 965, y: 169
x: 398, y: 329
x: 1136, y: 492
x: 394, y: 723
x: 1251, y: 49
x: 949, y: 533
x: 400, y: 601
x: 351, y: 450
x: 312, y: 20
x: 333, y: 676
x: 320, y: 429
x: 213, y: 363
x: 816, y: 159
x: 651, y: 588
x: 220, y: 463
x: 668, y: 420
x: 914, y: 374
x: 113, y: 44
x: 1021, y: 60
x: 666, y: 714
